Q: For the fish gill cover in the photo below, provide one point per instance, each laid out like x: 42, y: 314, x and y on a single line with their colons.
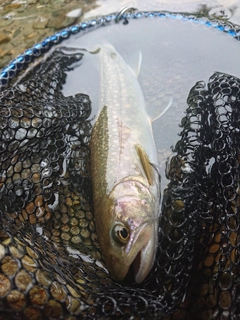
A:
x: 47, y: 225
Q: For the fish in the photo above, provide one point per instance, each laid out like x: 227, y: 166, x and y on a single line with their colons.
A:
x: 123, y: 163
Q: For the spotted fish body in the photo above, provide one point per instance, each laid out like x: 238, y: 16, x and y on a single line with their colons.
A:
x: 126, y: 187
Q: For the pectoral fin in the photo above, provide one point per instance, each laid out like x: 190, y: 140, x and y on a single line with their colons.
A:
x: 146, y: 165
x: 154, y: 113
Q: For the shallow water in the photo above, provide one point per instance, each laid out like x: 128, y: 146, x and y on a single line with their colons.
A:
x: 176, y: 54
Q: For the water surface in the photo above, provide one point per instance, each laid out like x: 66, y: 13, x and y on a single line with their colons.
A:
x: 176, y: 54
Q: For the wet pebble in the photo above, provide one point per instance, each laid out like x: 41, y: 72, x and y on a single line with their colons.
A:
x: 63, y: 19
x: 44, y: 278
x: 73, y: 305
x: 74, y: 13
x: 9, y: 266
x: 12, y: 6
x: 225, y: 299
x: 5, y: 23
x: 29, y: 264
x: 26, y: 23
x: 16, y: 252
x: 40, y: 23
x: 5, y: 285
x: 22, y: 280
x: 16, y: 300
x: 38, y: 295
x: 53, y: 309
x: 32, y: 313
x: 4, y: 60
x: 4, y: 38
x: 58, y: 291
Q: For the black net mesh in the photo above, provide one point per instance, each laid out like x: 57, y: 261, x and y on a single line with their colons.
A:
x: 47, y: 228
x: 208, y: 172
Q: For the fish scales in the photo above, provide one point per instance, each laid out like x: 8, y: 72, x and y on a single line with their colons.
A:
x: 121, y: 139
x: 122, y: 122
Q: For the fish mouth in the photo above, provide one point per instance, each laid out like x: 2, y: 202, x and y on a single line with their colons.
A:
x: 136, y: 265
x: 140, y: 270
x: 143, y: 261
x: 136, y: 259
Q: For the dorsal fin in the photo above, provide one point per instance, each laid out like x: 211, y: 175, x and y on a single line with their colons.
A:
x: 146, y: 165
x: 134, y: 62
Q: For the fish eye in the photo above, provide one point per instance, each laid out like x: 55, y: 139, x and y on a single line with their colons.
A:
x: 120, y: 233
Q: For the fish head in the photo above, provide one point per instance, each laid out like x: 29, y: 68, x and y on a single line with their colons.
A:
x: 129, y: 237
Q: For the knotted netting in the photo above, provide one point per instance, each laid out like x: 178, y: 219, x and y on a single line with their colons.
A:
x: 50, y: 260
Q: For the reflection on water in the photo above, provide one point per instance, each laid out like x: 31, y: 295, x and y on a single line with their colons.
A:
x: 176, y: 54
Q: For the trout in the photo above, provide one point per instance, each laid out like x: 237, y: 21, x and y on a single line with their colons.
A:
x: 126, y: 184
